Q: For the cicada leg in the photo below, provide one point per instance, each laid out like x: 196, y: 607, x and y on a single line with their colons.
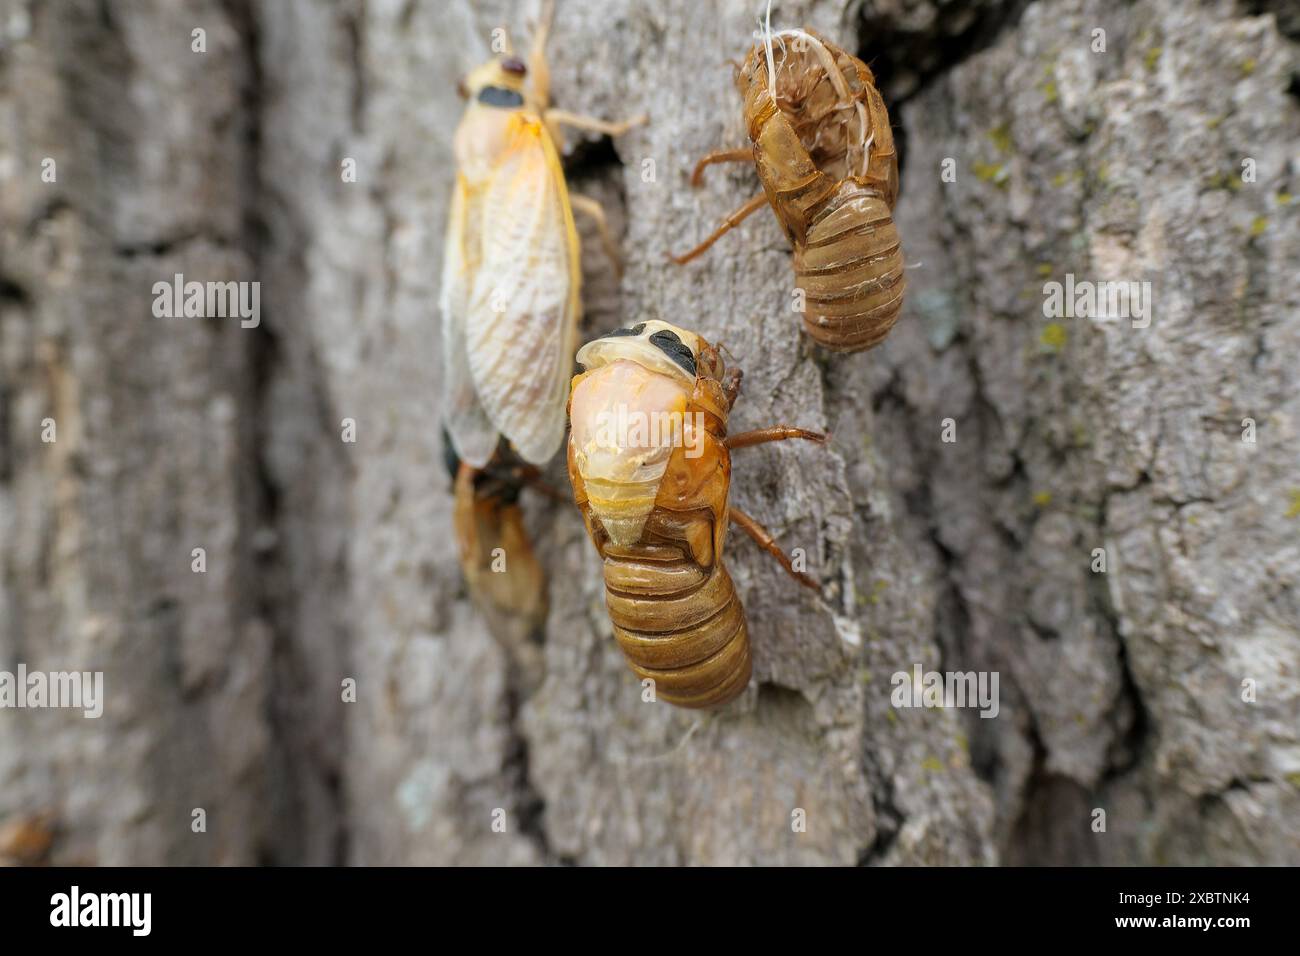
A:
x: 731, y: 386
x: 776, y: 433
x: 719, y: 156
x: 525, y: 475
x: 538, y: 71
x: 731, y: 222
x: 763, y: 538
x: 591, y: 124
x: 589, y: 207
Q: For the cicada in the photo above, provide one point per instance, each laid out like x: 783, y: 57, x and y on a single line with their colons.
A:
x: 824, y: 152
x: 650, y: 462
x: 497, y: 559
x: 510, y: 279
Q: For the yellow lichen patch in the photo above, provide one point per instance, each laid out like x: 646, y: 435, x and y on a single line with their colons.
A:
x: 1042, y: 499
x: 1283, y: 198
x: 1001, y: 137
x: 1258, y: 227
x: 1053, y: 337
x: 1248, y: 66
x: 878, y: 590
x: 1045, y: 269
x: 994, y: 173
x: 1153, y: 57
x: 933, y: 764
x: 1221, y: 180
x: 1294, y: 510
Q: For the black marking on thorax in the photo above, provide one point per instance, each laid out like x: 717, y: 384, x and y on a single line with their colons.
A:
x: 616, y: 333
x: 674, y: 348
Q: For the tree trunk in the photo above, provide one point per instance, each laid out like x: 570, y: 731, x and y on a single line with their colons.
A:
x: 985, y: 460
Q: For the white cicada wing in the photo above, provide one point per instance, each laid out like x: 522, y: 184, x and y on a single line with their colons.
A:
x: 522, y: 331
x: 471, y: 430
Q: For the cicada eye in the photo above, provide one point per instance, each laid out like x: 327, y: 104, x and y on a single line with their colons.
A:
x: 710, y: 362
x: 671, y: 345
x: 514, y: 66
x: 500, y: 96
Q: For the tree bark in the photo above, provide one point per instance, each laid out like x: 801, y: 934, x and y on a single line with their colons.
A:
x: 1163, y: 690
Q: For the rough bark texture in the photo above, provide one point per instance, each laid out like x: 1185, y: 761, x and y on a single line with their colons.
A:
x: 329, y: 560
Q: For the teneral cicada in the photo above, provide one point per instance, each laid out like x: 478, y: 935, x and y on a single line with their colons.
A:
x: 510, y: 279
x: 824, y: 152
x: 650, y: 463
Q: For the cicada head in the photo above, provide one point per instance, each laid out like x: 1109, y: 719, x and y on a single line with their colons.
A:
x: 657, y: 346
x: 499, y: 82
x: 628, y: 412
x: 496, y: 92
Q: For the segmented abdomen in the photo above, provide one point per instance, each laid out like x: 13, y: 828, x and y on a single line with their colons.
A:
x: 678, y: 623
x: 850, y: 269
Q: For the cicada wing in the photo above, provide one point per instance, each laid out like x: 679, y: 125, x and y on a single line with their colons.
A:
x: 472, y: 433
x: 523, y: 313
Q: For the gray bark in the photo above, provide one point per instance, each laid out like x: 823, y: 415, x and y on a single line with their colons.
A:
x: 327, y: 560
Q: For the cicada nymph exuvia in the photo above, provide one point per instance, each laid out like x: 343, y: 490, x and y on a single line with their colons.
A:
x: 503, y: 575
x: 510, y: 278
x: 824, y: 153
x: 650, y: 463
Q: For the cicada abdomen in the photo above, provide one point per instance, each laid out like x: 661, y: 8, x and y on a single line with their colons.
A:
x: 678, y: 624
x: 650, y: 463
x: 824, y: 153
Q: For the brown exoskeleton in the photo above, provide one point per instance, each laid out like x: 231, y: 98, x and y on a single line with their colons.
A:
x: 824, y: 153
x: 489, y: 526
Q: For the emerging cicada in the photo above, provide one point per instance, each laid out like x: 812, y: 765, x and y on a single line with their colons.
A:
x: 510, y: 278
x: 650, y: 463
x: 824, y: 152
